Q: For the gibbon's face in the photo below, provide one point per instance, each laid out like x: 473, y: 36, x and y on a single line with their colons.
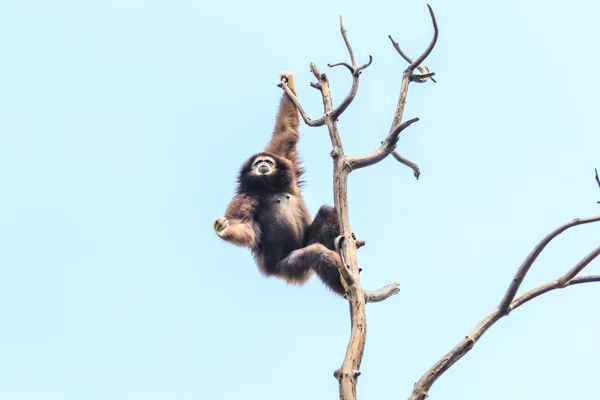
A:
x: 265, y: 172
x: 263, y: 166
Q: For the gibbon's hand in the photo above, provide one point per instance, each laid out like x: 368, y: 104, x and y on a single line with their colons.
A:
x: 287, y: 75
x: 220, y: 225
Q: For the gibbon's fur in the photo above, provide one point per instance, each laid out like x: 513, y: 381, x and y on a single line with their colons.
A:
x: 268, y: 214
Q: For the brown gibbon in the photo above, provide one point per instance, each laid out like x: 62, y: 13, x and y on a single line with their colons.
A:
x: 268, y: 214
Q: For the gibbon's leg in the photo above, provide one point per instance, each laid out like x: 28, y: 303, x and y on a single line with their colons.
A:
x: 285, y: 134
x: 325, y: 228
x: 296, y: 267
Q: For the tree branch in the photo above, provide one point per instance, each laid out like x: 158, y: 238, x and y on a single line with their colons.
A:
x: 408, y: 72
x: 389, y: 144
x: 305, y: 117
x: 429, y: 49
x: 560, y: 283
x: 386, y: 148
x: 584, y: 279
x: 408, y: 163
x: 597, y: 180
x: 422, y: 387
x: 354, y: 70
x: 382, y: 294
x: 504, y: 305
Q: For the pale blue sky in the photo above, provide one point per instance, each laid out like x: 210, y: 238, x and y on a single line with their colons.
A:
x: 122, y: 126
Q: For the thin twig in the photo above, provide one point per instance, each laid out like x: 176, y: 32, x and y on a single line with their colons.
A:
x: 344, y: 64
x: 429, y: 49
x: 504, y: 305
x: 408, y: 72
x: 566, y: 278
x: 422, y: 387
x: 354, y: 70
x: 423, y: 69
x: 421, y: 77
x: 365, y: 65
x: 408, y: 163
x: 386, y: 148
x: 584, y: 279
x: 417, y: 63
x: 597, y: 180
x: 560, y: 283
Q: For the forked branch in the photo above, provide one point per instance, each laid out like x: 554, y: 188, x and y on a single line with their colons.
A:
x: 422, y: 387
x: 417, y: 63
x: 409, y: 71
x: 307, y: 120
x: 354, y: 70
x: 387, y: 147
x: 504, y: 305
x: 389, y: 144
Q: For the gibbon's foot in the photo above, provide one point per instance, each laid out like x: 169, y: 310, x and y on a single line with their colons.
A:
x: 339, y: 239
x: 220, y: 225
x: 358, y: 243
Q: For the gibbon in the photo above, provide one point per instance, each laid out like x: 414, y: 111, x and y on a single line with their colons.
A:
x: 268, y: 214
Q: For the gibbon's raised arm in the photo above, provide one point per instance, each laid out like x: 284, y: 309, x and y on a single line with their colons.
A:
x: 285, y: 134
x: 238, y: 225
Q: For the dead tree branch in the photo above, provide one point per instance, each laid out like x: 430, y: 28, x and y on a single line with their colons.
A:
x: 346, y: 244
x: 307, y: 120
x: 508, y: 303
x: 597, y: 180
x: 417, y: 63
x: 504, y: 305
x: 408, y: 163
x: 389, y: 144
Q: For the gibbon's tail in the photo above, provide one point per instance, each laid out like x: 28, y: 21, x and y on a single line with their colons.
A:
x: 285, y: 134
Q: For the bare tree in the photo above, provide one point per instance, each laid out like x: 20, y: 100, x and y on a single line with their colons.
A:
x: 347, y: 244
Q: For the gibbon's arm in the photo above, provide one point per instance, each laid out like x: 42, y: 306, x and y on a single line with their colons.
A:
x: 238, y: 225
x: 285, y: 135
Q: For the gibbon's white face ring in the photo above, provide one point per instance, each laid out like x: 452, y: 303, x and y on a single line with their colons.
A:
x: 263, y: 165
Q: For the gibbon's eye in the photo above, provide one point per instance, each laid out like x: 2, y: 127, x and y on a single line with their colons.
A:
x: 266, y: 161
